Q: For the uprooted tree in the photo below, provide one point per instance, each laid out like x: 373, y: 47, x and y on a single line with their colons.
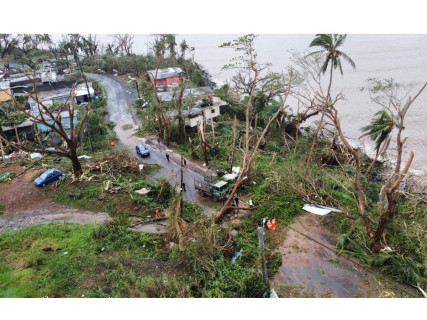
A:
x: 46, y: 116
x: 248, y: 63
x: 396, y: 108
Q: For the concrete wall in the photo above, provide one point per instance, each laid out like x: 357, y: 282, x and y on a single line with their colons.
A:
x: 209, y: 113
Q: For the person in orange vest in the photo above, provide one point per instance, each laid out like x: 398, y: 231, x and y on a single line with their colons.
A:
x: 157, y: 214
x: 112, y: 143
x: 269, y: 225
x: 273, y: 224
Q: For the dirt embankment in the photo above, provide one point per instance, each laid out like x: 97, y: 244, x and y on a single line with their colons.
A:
x: 25, y: 204
x: 21, y: 194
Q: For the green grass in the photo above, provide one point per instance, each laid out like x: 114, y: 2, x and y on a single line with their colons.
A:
x: 70, y: 260
x: 6, y: 176
x: 127, y: 127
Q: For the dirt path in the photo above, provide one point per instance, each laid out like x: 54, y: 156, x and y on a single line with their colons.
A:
x: 312, y: 268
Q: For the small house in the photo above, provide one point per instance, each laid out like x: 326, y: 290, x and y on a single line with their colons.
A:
x: 166, y: 76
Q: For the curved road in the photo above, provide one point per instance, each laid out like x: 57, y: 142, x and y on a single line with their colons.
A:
x: 120, y: 101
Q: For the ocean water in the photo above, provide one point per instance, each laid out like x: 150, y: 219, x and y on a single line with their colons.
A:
x: 402, y: 57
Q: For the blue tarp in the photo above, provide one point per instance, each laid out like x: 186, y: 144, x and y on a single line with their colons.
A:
x: 65, y: 123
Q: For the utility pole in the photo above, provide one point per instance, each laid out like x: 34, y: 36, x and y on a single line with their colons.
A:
x: 234, y: 143
x: 261, y: 251
x: 136, y: 82
x: 88, y: 95
x: 182, y: 181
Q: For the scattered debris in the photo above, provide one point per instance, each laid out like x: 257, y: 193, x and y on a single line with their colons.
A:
x: 106, y: 290
x: 36, y: 155
x: 7, y: 176
x: 273, y: 294
x: 233, y: 233
x: 236, y: 255
x: 84, y: 157
x: 66, y: 252
x: 142, y: 191
x: 319, y: 210
x: 230, y: 176
x: 333, y: 260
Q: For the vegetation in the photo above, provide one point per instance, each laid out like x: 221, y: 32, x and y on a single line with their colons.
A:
x: 282, y: 165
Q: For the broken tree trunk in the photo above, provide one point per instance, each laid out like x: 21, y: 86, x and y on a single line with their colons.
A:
x: 203, y: 143
x: 2, y: 151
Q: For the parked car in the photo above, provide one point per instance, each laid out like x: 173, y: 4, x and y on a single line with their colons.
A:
x: 142, y: 150
x: 48, y: 177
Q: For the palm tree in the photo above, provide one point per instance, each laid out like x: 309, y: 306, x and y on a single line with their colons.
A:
x: 171, y: 44
x: 329, y: 44
x: 184, y: 47
x: 379, y: 130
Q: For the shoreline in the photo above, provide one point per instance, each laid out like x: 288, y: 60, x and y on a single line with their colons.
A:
x: 367, y: 147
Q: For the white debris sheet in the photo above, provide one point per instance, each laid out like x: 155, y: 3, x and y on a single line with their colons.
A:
x: 36, y: 155
x: 319, y: 210
x: 230, y: 176
x: 142, y: 191
x: 85, y: 157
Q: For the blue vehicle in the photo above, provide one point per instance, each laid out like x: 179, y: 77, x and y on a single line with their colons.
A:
x: 142, y: 150
x: 48, y: 177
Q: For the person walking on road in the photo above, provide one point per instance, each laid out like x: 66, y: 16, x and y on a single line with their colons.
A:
x: 158, y: 140
x: 157, y: 214
x: 185, y: 163
x: 183, y: 186
x: 167, y: 156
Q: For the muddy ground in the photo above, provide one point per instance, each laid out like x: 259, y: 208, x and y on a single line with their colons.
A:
x: 21, y: 194
x: 312, y: 267
x: 25, y: 204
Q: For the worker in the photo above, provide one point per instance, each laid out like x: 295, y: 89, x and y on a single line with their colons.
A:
x: 183, y: 186
x: 167, y: 156
x: 112, y: 143
x: 158, y: 140
x: 251, y: 203
x: 236, y: 200
x: 269, y: 225
x: 185, y: 162
x: 273, y: 224
x: 157, y: 214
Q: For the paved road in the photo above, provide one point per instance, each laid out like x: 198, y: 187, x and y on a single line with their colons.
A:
x: 120, y: 100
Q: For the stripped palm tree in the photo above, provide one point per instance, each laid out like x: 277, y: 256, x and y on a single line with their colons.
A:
x: 329, y: 44
x: 171, y: 44
x: 184, y: 47
x: 379, y: 130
